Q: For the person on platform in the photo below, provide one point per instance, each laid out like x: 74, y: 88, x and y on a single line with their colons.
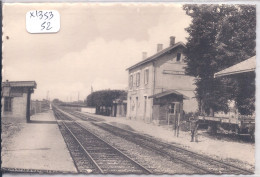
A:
x: 194, y: 124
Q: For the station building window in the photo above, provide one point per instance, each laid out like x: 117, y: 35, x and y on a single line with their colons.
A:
x: 146, y: 76
x: 138, y: 79
x: 134, y: 80
x: 131, y: 81
x: 172, y: 108
x: 8, y: 104
x: 178, y: 57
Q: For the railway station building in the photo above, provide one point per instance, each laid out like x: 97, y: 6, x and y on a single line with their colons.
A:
x: 159, y: 90
x: 15, y: 100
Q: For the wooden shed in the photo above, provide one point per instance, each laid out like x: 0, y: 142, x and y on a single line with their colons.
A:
x: 168, y: 106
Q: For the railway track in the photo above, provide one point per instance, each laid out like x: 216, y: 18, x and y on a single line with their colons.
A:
x: 97, y: 155
x: 207, y: 164
x: 82, y: 116
x: 186, y: 157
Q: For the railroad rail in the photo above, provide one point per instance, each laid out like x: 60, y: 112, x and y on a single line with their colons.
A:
x: 82, y: 116
x: 184, y: 156
x: 207, y: 164
x: 102, y: 156
x: 80, y: 158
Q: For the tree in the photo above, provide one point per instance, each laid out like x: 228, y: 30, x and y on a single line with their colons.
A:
x: 104, y: 97
x: 219, y: 36
x: 236, y: 48
x: 245, y: 93
x: 56, y: 100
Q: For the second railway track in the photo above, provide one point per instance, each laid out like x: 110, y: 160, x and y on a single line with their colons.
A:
x: 207, y: 164
x: 186, y: 157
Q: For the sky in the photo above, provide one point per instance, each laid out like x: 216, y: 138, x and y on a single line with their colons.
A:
x: 95, y: 44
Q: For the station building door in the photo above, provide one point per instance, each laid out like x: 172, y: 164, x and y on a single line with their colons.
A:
x: 174, y: 112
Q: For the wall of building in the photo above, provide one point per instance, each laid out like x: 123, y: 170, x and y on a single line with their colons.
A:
x: 137, y: 109
x: 119, y: 109
x: 170, y: 74
x: 39, y: 106
x: 89, y: 110
x: 18, y: 112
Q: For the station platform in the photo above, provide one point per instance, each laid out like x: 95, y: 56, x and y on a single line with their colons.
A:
x: 218, y: 148
x: 39, y: 145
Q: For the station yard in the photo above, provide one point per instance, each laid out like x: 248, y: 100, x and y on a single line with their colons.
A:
x: 39, y: 144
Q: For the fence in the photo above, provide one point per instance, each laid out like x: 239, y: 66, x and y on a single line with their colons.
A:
x: 89, y: 110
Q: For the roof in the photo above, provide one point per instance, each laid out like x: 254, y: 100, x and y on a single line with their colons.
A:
x: 166, y: 93
x: 248, y: 65
x: 158, y: 54
x: 31, y: 84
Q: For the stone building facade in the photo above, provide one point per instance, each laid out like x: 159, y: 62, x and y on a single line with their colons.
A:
x: 158, y: 86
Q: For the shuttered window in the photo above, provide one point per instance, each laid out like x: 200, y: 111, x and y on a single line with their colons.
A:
x: 138, y: 79
x: 131, y: 81
x: 146, y: 76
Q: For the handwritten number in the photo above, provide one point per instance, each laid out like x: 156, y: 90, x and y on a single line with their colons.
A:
x: 43, y: 25
x: 40, y: 14
x: 48, y: 26
x: 46, y: 16
x: 51, y: 15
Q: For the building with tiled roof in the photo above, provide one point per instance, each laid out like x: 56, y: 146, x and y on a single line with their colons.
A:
x: 158, y: 86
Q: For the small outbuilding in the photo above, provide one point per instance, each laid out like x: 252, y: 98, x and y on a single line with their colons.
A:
x: 15, y: 100
x: 168, y: 106
x: 246, y: 66
x: 119, y: 108
x: 245, y: 70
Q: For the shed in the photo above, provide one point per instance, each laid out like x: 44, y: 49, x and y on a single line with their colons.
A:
x: 15, y: 100
x: 248, y: 65
x: 168, y: 106
x: 245, y: 70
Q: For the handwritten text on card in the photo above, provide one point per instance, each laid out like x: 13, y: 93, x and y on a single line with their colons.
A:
x: 43, y: 21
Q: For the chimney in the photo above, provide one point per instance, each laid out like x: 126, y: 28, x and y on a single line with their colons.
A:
x: 172, y: 40
x: 144, y: 55
x: 159, y: 47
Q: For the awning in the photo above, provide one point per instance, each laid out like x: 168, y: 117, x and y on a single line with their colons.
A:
x: 167, y: 93
x: 31, y: 84
x: 248, y: 65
